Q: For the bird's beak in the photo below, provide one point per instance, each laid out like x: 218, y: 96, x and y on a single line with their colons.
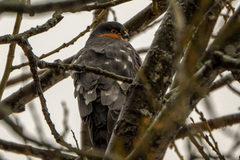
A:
x: 125, y: 36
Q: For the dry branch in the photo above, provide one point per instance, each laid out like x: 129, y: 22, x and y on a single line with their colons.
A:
x: 10, y: 55
x: 24, y: 95
x: 84, y: 68
x: 145, y: 17
x: 33, y: 151
x: 56, y: 18
x: 64, y: 6
x: 21, y: 78
x: 216, y: 123
x: 158, y: 69
x: 71, y: 42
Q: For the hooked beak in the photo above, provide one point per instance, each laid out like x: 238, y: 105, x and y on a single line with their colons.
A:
x: 125, y: 36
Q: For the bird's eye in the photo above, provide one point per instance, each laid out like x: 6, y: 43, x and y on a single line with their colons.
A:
x: 114, y: 31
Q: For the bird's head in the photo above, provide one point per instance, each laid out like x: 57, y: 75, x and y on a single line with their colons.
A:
x: 112, y: 30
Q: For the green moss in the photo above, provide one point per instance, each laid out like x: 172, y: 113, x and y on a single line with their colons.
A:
x: 145, y: 112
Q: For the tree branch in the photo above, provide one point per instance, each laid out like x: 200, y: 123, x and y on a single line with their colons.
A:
x: 174, y: 114
x: 33, y: 62
x: 158, y: 69
x: 145, y: 17
x: 64, y: 45
x: 216, y: 123
x: 221, y: 82
x: 18, y: 100
x: 225, y: 37
x: 64, y: 6
x: 84, y: 68
x: 35, y: 152
x: 56, y: 18
x: 198, y: 43
x: 10, y: 55
x: 21, y: 78
x: 198, y: 146
x: 214, y: 146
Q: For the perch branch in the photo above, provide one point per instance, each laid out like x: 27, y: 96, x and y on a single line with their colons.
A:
x: 84, y: 68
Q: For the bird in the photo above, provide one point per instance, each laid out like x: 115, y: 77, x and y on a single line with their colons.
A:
x: 100, y: 98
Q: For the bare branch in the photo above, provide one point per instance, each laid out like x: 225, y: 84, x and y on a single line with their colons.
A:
x: 35, y: 152
x: 158, y: 77
x: 18, y: 99
x: 216, y: 123
x: 33, y: 67
x: 64, y: 45
x: 215, y: 146
x: 198, y: 146
x: 65, y: 119
x: 228, y: 36
x: 84, y: 68
x: 56, y: 18
x: 58, y: 138
x: 4, y: 111
x: 75, y: 139
x: 222, y: 82
x: 177, y: 151
x: 21, y: 78
x: 198, y: 43
x: 64, y: 6
x: 145, y: 17
x: 10, y: 55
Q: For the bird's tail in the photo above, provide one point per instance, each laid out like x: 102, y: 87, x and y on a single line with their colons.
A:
x: 97, y: 123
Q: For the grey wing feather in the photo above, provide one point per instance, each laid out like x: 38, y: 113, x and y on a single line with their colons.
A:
x: 100, y: 99
x: 84, y: 109
x: 116, y: 57
x: 110, y: 95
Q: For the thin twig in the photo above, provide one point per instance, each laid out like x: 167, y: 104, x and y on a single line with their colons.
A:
x: 56, y: 18
x: 233, y: 89
x: 21, y: 78
x: 64, y: 45
x: 75, y: 139
x: 198, y: 146
x: 216, y: 123
x: 65, y: 118
x: 33, y: 151
x: 177, y: 151
x: 152, y: 24
x: 36, y: 119
x: 142, y: 50
x: 19, y: 130
x: 10, y: 55
x: 33, y: 61
x: 230, y: 86
x: 114, y: 14
x: 33, y: 67
x: 64, y: 6
x: 215, y: 147
x: 74, y: 67
x: 221, y: 82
